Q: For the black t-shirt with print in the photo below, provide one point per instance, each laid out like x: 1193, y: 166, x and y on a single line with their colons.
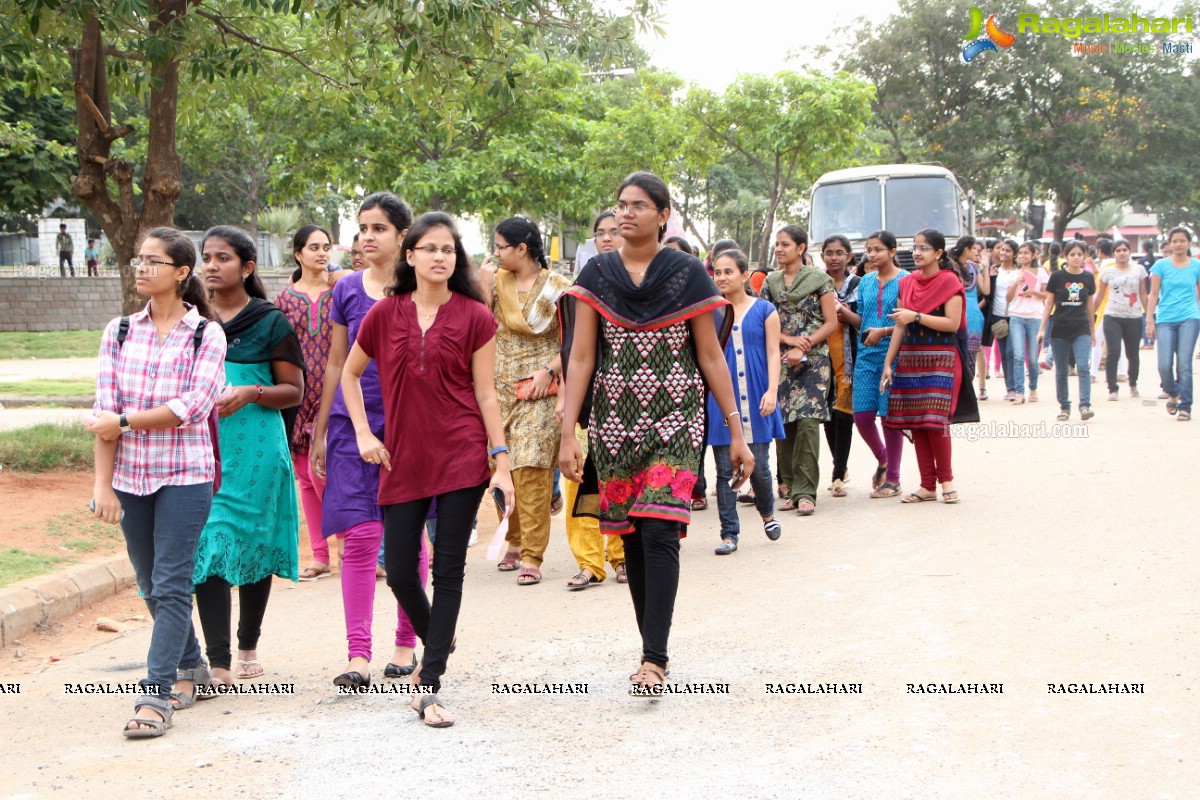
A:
x: 1072, y: 296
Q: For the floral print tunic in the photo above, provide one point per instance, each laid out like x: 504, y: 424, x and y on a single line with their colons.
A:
x: 803, y: 389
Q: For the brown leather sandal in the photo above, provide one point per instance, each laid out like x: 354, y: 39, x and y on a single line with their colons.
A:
x: 648, y: 681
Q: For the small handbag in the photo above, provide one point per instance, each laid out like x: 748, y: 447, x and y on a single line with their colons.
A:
x: 525, y: 385
x: 1000, y: 328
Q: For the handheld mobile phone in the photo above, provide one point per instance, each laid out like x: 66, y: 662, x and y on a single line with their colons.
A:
x: 92, y: 508
x: 498, y: 499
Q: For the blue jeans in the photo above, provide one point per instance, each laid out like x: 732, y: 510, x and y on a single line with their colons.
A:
x: 1022, y: 334
x: 760, y: 480
x: 161, y: 533
x: 1081, y: 346
x: 1176, y: 346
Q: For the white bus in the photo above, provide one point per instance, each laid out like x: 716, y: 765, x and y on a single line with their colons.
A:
x: 901, y: 198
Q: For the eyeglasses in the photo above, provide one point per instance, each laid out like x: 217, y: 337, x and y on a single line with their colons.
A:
x: 835, y: 253
x: 498, y: 247
x: 922, y: 248
x: 431, y: 250
x: 638, y: 208
x: 613, y: 234
x: 147, y: 261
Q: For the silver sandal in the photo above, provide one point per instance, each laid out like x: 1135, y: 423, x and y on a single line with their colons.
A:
x: 201, y: 690
x: 153, y: 728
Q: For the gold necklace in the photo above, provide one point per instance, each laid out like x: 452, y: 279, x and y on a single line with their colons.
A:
x: 428, y: 317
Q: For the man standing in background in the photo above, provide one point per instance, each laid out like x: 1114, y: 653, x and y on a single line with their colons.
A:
x: 66, y: 248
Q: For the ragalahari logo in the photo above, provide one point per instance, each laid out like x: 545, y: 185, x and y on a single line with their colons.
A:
x: 980, y: 44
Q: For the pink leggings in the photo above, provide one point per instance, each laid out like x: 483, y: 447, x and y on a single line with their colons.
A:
x: 887, y: 450
x: 361, y: 550
x: 312, y: 489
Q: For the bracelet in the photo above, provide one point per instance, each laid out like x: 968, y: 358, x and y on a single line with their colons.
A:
x: 734, y: 413
x: 260, y: 392
x: 550, y: 369
x: 495, y: 451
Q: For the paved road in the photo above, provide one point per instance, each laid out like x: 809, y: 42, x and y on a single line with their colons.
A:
x: 1069, y: 561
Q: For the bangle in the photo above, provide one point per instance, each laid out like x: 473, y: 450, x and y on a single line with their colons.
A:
x: 733, y: 413
x: 260, y: 392
x: 495, y: 451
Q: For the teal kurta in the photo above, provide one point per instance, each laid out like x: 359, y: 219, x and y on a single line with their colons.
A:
x: 253, y: 529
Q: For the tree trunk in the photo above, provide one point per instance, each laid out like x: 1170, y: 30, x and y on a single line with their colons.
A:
x: 162, y: 179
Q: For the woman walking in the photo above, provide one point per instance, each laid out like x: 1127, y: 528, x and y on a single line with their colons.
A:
x: 1069, y: 294
x: 1172, y: 315
x: 752, y: 356
x: 351, y: 507
x: 1123, y: 285
x: 807, y: 308
x: 306, y: 302
x: 878, y: 294
x: 1026, y: 301
x: 433, y: 341
x: 644, y: 330
x: 1006, y: 276
x: 154, y: 460
x: 843, y: 344
x: 251, y: 533
x: 523, y: 297
x: 965, y: 254
x: 931, y: 388
x: 587, y: 543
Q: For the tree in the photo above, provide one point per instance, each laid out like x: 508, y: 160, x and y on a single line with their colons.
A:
x: 35, y: 155
x: 150, y: 47
x: 1104, y: 216
x: 789, y: 128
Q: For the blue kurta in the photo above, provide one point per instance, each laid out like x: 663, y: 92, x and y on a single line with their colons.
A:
x: 874, y: 308
x: 746, y: 356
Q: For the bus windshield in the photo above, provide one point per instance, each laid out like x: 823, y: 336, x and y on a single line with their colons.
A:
x: 851, y: 209
x: 917, y: 203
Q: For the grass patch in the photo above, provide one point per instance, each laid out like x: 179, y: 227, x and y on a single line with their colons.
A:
x: 17, y: 564
x: 50, y: 344
x: 48, y: 387
x: 46, y: 447
x: 83, y: 533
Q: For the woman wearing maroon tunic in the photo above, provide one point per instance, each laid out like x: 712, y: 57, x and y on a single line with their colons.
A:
x: 930, y: 390
x: 433, y: 341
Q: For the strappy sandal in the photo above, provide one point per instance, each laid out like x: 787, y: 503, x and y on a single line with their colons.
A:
x: 913, y: 497
x: 1086, y: 413
x: 784, y: 491
x: 315, y: 571
x: 951, y: 497
x: 838, y: 489
x: 200, y: 678
x: 1184, y: 416
x: 806, y: 507
x: 1173, y: 406
x: 582, y: 580
x: 245, y: 673
x: 622, y: 575
x: 787, y: 505
x: 511, y: 562
x: 879, y: 476
x: 529, y: 576
x: 699, y: 503
x: 648, y: 681
x: 633, y: 675
x: 886, y: 490
x: 424, y: 701
x: 1063, y: 416
x: 148, y: 728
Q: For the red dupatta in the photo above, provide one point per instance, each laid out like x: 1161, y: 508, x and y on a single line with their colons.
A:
x: 925, y: 295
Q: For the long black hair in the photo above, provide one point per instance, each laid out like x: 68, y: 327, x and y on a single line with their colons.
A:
x: 242, y: 245
x: 462, y: 280
x: 518, y: 231
x: 603, y: 215
x: 396, y: 210
x: 681, y: 244
x: 963, y: 244
x: 889, y: 241
x: 182, y: 253
x: 299, y: 242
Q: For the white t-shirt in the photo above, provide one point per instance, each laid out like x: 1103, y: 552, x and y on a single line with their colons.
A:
x: 1123, y: 285
x: 1004, y: 278
x: 1029, y: 307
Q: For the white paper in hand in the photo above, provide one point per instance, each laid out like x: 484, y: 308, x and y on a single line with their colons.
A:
x: 496, y: 548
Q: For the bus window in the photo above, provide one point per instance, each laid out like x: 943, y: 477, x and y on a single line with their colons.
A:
x: 851, y: 209
x: 917, y: 203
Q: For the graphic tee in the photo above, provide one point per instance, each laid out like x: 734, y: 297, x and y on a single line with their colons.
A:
x: 1072, y: 294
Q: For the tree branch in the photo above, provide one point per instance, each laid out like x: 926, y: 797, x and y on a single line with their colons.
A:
x: 295, y: 55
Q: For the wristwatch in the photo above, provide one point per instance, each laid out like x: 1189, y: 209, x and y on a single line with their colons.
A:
x: 917, y: 318
x: 125, y: 426
x: 550, y: 369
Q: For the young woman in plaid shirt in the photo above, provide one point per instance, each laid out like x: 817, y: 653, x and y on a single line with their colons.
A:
x: 154, y: 459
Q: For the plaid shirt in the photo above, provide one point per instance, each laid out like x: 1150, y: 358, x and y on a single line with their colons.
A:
x: 143, y: 375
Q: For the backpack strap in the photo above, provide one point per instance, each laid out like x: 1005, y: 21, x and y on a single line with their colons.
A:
x: 198, y: 337
x: 122, y: 332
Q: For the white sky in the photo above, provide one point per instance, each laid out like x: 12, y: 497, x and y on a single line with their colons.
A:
x: 710, y: 42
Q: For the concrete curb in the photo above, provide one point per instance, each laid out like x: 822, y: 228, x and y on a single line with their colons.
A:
x: 33, y: 602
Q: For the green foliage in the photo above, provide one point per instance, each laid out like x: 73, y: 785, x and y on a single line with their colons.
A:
x: 46, y: 447
x: 18, y: 565
x: 36, y: 157
x: 48, y: 387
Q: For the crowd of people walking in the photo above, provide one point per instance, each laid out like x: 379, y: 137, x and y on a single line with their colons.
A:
x: 385, y: 401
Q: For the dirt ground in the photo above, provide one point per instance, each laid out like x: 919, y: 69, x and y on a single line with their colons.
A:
x: 1071, y: 560
x: 40, y: 509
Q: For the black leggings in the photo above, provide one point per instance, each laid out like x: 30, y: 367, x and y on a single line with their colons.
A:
x: 652, y: 561
x: 403, y: 528
x: 215, y: 604
x: 1118, y: 330
x: 839, y: 433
